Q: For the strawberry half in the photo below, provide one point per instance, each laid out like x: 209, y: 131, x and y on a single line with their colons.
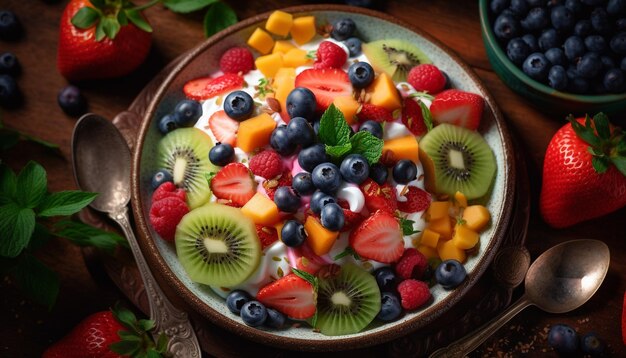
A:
x: 290, y: 295
x: 378, y: 238
x: 463, y: 109
x: 267, y: 235
x: 412, y: 117
x: 206, y: 87
x: 373, y: 112
x: 416, y: 200
x: 379, y: 197
x: 224, y: 128
x: 234, y: 182
x: 351, y: 218
x: 326, y: 84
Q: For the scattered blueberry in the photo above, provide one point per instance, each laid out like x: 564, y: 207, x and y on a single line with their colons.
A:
x: 361, y: 3
x: 379, y: 173
x: 386, y: 278
x: 574, y: 47
x: 189, y: 111
x: 300, y: 131
x: 303, y: 184
x: 286, y: 199
x: 497, y: 6
x: 614, y: 80
x: 71, y: 101
x: 279, y: 140
x: 10, y: 26
x: 9, y: 65
x: 292, y: 234
x: 620, y: 24
x: 318, y: 200
x: 517, y: 50
x: 312, y: 156
x: 618, y: 43
x: 595, y: 43
x: 563, y: 339
x: 557, y: 78
x: 253, y: 313
x: 622, y: 64
x: 167, y: 123
x: 275, y: 319
x: 404, y: 171
x: 373, y: 127
x: 556, y: 56
x: 332, y: 217
x: 343, y: 29
x: 160, y: 177
x: 535, y: 3
x: 506, y: 27
x: 531, y: 41
x: 589, y: 65
x: 562, y: 18
x: 549, y: 39
x: 354, y: 46
x: 326, y: 177
x: 574, y: 6
x: 519, y: 8
x: 238, y: 105
x: 390, y: 308
x: 607, y: 62
x: 222, y: 154
x: 600, y: 21
x: 536, y: 19
x: 354, y: 168
x: 236, y: 299
x: 583, y: 28
x: 301, y: 103
x: 450, y: 274
x: 591, y: 344
x: 361, y: 74
x: 616, y: 7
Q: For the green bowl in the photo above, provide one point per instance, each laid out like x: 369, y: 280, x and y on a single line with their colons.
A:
x: 547, y: 99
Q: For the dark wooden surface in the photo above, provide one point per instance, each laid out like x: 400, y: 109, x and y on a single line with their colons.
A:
x: 26, y: 329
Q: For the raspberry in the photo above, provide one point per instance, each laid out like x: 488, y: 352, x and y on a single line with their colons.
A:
x: 266, y: 164
x: 272, y: 184
x: 267, y: 235
x: 413, y: 294
x: 237, y: 59
x: 416, y: 200
x: 372, y: 112
x: 330, y: 55
x: 426, y: 78
x: 165, y: 214
x: 166, y: 190
x: 412, y: 264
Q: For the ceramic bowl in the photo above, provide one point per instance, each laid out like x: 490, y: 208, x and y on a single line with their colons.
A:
x: 542, y: 96
x: 203, y: 60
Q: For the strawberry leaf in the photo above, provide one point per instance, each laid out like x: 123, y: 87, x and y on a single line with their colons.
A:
x: 100, y: 34
x: 620, y: 163
x: 586, y: 132
x: 122, y: 19
x: 86, y: 17
x: 601, y: 122
x: 110, y: 26
x: 600, y: 164
x: 428, y: 118
x: 98, y: 3
x: 138, y: 20
x: 307, y: 277
x: 126, y: 348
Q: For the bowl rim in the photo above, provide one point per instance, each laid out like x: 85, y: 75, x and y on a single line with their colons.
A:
x: 490, y: 40
x: 363, y: 339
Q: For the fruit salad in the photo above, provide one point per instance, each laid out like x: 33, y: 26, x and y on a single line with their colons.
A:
x: 317, y: 177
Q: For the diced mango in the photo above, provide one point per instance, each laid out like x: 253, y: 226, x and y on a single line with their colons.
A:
x: 295, y: 58
x: 261, y: 41
x: 319, y: 238
x: 269, y: 64
x: 279, y: 229
x: 476, y: 217
x: 383, y: 93
x: 438, y: 210
x: 464, y: 238
x: 261, y: 210
x: 430, y: 238
x: 283, y: 46
x: 429, y: 252
x: 348, y: 106
x: 430, y: 183
x: 442, y: 226
x: 255, y: 132
x: 460, y: 199
x: 448, y: 251
x: 403, y: 148
x: 279, y: 23
x: 303, y: 29
x: 284, y: 82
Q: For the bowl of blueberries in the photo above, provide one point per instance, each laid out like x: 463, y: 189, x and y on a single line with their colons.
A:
x: 564, y: 56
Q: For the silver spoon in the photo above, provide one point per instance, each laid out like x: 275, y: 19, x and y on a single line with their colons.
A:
x: 559, y: 281
x: 102, y: 163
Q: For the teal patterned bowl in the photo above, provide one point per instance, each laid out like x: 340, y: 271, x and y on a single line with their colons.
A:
x: 542, y: 96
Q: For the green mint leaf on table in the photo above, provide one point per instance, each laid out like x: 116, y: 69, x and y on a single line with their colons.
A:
x: 338, y: 151
x: 32, y: 185
x: 37, y: 280
x: 407, y: 227
x: 86, y: 17
x: 334, y: 130
x: 84, y: 235
x: 367, y: 145
x: 218, y: 17
x: 428, y: 118
x: 65, y: 203
x: 138, y: 20
x: 311, y: 55
x: 185, y: 6
x: 8, y: 184
x: 17, y: 224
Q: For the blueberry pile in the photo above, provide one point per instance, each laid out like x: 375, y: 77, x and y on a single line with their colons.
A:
x: 185, y: 114
x: 576, y: 46
x: 10, y: 30
x: 566, y: 341
x: 252, y: 312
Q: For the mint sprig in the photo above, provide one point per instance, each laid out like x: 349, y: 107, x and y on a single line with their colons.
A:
x: 428, y: 117
x: 407, y: 227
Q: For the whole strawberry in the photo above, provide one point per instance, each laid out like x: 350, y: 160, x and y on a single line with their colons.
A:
x: 584, y: 172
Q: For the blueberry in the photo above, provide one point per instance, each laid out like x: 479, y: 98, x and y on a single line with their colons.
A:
x: 591, y: 344
x: 326, y: 177
x: 354, y: 168
x: 373, y: 127
x: 556, y: 56
x: 10, y: 26
x: 607, y: 62
x: 600, y: 21
x: 292, y: 234
x: 222, y: 154
x: 535, y: 3
x: 9, y: 65
x: 236, y: 299
x: 71, y: 101
x: 574, y: 47
x: 167, y: 123
x: 497, y: 6
x: 578, y: 85
x: 404, y: 171
x: 318, y: 200
x: 575, y: 6
x: 622, y: 64
x: 616, y: 7
x: 536, y: 19
x: 592, y: 2
x: 303, y: 184
x: 614, y: 80
x: 620, y: 24
x: 300, y: 131
x: 450, y: 274
x: 343, y: 29
x: 379, y: 173
x: 563, y: 339
x: 386, y: 278
x: 361, y: 74
x: 589, y: 65
x: 595, y: 43
x: 279, y: 140
x: 354, y: 46
x: 189, y: 111
x: 557, y: 78
x: 531, y: 41
x: 549, y: 39
x: 286, y: 199
x: 506, y: 27
x: 160, y: 177
x: 312, y: 156
x: 275, y: 319
x: 583, y: 28
x: 618, y: 43
x: 239, y: 105
x: 332, y: 217
x: 253, y: 313
x: 562, y: 18
x: 301, y: 103
x: 519, y: 8
x: 390, y: 308
x: 517, y: 50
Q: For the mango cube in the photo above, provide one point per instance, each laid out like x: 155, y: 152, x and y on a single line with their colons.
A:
x: 319, y: 238
x: 430, y: 238
x: 283, y: 46
x: 403, y: 148
x: 279, y: 23
x: 261, y: 210
x: 383, y: 93
x: 269, y: 64
x: 464, y: 237
x: 295, y: 58
x: 284, y: 83
x: 348, y: 106
x: 448, y: 251
x: 442, y: 226
x: 429, y: 252
x: 261, y: 41
x: 255, y: 132
x: 438, y: 210
x: 476, y: 217
x: 460, y: 199
x: 303, y: 29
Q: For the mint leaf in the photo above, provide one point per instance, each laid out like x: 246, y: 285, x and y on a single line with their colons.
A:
x: 367, y: 145
x: 185, y: 6
x: 8, y: 139
x: 37, y: 280
x: 41, y: 235
x: 84, y: 235
x: 218, y: 17
x: 407, y: 227
x: 334, y: 130
x: 428, y: 117
x: 65, y: 203
x: 32, y: 185
x: 348, y: 251
x: 138, y: 20
x: 338, y: 151
x: 86, y: 17
x: 16, y: 225
x: 8, y: 184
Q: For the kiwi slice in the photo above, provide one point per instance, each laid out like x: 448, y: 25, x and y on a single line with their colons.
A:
x: 461, y: 158
x: 347, y: 302
x: 185, y: 153
x: 394, y: 57
x: 217, y: 245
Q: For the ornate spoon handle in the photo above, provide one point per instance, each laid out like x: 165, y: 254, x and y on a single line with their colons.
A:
x: 169, y: 319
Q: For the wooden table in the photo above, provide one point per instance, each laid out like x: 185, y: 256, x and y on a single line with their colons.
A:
x: 27, y: 329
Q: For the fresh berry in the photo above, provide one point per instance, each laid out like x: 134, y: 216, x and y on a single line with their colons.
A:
x: 464, y: 109
x: 300, y: 131
x: 390, y: 308
x: 236, y: 60
x: 506, y: 26
x: 303, y: 184
x: 319, y: 199
x: 519, y: 8
x: 222, y: 154
x: 326, y: 177
x: 329, y: 55
x: 293, y: 234
x: 373, y: 127
x: 589, y: 65
x: 618, y: 43
x: 206, y: 87
x: 72, y: 101
x: 497, y: 6
x: 532, y: 42
x: 404, y: 171
x: 10, y: 26
x: 413, y: 118
x: 536, y: 66
x: 326, y: 84
x: 386, y: 278
x: 332, y: 217
x: 187, y: 113
x: 556, y: 56
x: 450, y: 274
x: 270, y: 185
x: 290, y: 295
x: 517, y: 50
x: 165, y: 214
x: 379, y: 238
x: 354, y: 168
x: 563, y: 339
x: 574, y: 47
x: 343, y: 29
x: 236, y: 299
x: 361, y: 74
x: 379, y: 173
x: 536, y: 19
x: 416, y: 200
x: 267, y: 164
x: 287, y: 199
x: 301, y: 102
x: 351, y: 218
x: 614, y: 80
x: 267, y: 235
x: 253, y: 313
x: 379, y: 197
x: 239, y: 105
x: 375, y: 113
x: 600, y: 21
x: 310, y: 157
x: 9, y: 65
x: 166, y: 190
x: 234, y: 182
x: 583, y: 28
x: 223, y: 127
x: 413, y: 294
x: 275, y: 319
x: 592, y: 344
x: 279, y: 140
x: 160, y: 177
x: 412, y: 264
x: 426, y: 78
x: 354, y: 46
x: 557, y: 78
x: 562, y: 18
x: 595, y: 43
x: 10, y: 95
x: 167, y: 123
